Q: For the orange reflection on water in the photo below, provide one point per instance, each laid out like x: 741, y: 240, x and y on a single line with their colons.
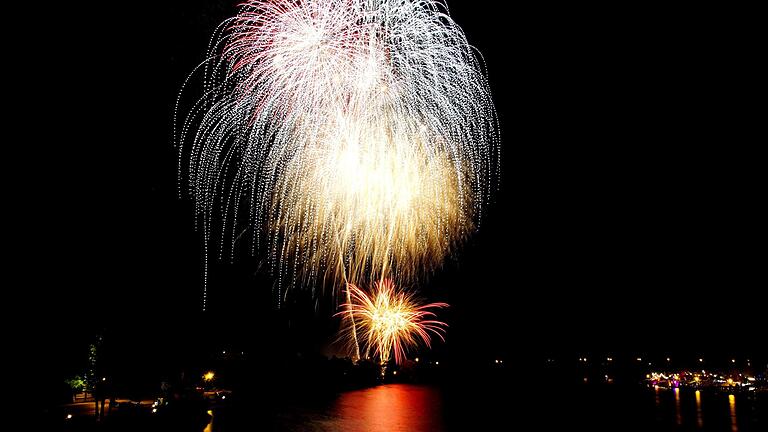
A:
x: 209, y: 426
x: 678, y: 415
x: 699, y: 419
x: 390, y: 408
x: 732, y: 404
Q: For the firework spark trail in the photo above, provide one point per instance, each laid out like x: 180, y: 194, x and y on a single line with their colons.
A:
x: 358, y: 137
x: 391, y: 321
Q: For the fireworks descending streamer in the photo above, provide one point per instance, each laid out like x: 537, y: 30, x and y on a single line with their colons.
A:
x: 390, y: 321
x: 353, y: 139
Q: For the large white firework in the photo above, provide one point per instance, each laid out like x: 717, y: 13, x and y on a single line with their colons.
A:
x: 357, y: 139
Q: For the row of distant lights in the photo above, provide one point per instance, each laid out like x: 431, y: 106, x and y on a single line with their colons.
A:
x: 640, y: 359
x: 581, y: 359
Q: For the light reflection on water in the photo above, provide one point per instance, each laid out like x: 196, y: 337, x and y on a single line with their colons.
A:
x: 688, y: 413
x: 699, y: 420
x: 390, y: 408
x: 401, y: 407
x: 209, y: 426
x: 657, y: 396
x: 404, y: 407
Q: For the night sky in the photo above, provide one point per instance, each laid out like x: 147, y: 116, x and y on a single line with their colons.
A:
x: 627, y: 218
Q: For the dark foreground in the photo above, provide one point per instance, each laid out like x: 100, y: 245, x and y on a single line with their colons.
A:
x: 405, y: 407
x: 488, y: 406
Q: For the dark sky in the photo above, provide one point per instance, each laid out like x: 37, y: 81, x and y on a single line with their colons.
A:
x: 627, y: 217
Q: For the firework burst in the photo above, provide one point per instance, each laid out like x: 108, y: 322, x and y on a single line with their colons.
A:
x: 351, y: 138
x: 389, y: 321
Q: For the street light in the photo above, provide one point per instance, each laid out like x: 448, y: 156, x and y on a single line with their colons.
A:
x: 208, y: 376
